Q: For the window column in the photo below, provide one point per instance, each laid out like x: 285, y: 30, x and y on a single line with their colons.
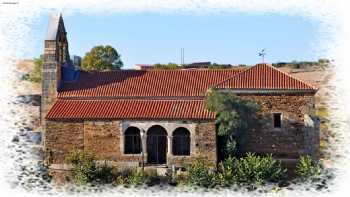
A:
x: 170, y: 145
x: 144, y: 145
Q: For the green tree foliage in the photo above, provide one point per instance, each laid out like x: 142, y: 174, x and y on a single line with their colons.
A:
x: 102, y: 58
x: 35, y: 75
x: 199, y: 174
x: 83, y: 166
x: 251, y: 169
x: 233, y: 117
x: 307, y: 168
x: 166, y: 66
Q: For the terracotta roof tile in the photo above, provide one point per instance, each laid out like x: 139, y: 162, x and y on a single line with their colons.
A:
x: 264, y: 77
x: 138, y: 83
x: 129, y: 109
x: 160, y: 94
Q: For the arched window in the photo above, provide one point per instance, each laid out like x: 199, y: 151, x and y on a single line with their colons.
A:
x: 132, y: 141
x: 181, y: 141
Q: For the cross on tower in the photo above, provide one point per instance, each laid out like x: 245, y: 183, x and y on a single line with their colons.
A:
x: 262, y: 54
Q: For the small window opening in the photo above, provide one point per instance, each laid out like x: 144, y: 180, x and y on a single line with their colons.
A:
x: 277, y: 120
x: 132, y: 141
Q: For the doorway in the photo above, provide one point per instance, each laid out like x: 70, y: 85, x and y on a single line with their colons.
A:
x: 156, y: 145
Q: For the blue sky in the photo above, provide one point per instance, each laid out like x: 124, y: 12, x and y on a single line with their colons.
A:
x: 228, y: 38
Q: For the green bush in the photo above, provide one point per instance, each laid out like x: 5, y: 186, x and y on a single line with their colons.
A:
x: 253, y: 169
x: 83, y: 166
x: 137, y: 177
x: 199, y: 174
x: 134, y: 177
x: 226, y: 172
x: 105, y: 174
x: 307, y: 167
x: 121, y: 180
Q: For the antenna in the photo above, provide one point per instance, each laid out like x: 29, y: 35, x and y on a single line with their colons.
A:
x: 182, y: 56
x: 262, y: 54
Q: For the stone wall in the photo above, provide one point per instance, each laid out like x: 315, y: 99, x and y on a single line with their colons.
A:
x: 294, y: 138
x: 203, y: 144
x: 297, y: 136
x: 105, y: 139
x: 206, y: 142
x: 102, y: 138
x: 61, y: 138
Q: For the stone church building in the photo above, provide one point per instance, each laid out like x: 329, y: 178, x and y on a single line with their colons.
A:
x: 158, y: 117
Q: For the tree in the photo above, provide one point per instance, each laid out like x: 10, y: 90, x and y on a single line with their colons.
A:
x: 35, y: 75
x: 102, y: 58
x: 233, y: 116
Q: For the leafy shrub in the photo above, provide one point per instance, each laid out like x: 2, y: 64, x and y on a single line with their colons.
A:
x: 104, y: 174
x: 226, y: 172
x: 253, y: 169
x: 199, y: 174
x: 121, y: 180
x: 135, y: 177
x: 83, y: 166
x: 307, y: 167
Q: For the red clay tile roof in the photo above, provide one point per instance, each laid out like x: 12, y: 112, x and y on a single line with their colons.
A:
x: 138, y: 83
x: 160, y: 94
x: 264, y: 77
x: 129, y: 109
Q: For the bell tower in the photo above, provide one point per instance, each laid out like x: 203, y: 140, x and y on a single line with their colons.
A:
x: 55, y: 54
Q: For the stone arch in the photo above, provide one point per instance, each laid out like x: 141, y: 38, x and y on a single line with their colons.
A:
x: 181, y: 144
x: 132, y: 140
x: 157, y: 143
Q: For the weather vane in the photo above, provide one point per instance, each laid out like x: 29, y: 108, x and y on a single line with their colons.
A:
x: 262, y: 54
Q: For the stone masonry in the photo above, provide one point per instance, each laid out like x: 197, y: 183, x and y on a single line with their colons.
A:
x: 55, y: 54
x: 298, y: 134
x: 104, y: 138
